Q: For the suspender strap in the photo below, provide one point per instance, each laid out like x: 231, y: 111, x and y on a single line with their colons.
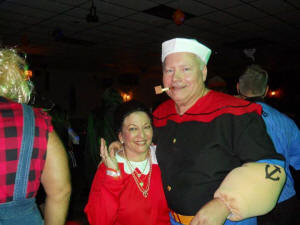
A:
x: 22, y: 174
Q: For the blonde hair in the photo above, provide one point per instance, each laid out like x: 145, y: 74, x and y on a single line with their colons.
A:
x: 14, y: 83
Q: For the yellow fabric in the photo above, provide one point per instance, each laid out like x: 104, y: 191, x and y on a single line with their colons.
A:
x: 251, y: 190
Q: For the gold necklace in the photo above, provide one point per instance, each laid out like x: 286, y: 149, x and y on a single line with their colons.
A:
x: 133, y: 169
x: 142, y: 172
x: 138, y: 181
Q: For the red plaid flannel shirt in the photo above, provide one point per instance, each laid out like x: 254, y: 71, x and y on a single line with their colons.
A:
x: 11, y: 131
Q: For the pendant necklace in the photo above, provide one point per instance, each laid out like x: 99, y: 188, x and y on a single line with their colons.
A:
x: 136, y: 176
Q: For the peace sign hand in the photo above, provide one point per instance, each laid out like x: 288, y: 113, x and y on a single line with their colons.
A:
x: 108, y: 158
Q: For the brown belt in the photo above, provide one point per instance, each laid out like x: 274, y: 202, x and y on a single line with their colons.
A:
x: 185, y: 220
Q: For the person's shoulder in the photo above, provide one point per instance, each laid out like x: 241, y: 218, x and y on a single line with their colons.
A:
x: 164, y: 108
x: 229, y: 103
x: 226, y: 99
x: 43, y: 119
x: 7, y: 104
x: 41, y: 113
x: 275, y: 114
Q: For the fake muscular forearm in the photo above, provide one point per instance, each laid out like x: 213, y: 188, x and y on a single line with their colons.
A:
x: 213, y: 212
x: 251, y: 190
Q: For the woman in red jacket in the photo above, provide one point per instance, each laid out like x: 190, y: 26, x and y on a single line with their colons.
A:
x: 127, y: 188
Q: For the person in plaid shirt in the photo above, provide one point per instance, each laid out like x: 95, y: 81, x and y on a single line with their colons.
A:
x: 30, y: 152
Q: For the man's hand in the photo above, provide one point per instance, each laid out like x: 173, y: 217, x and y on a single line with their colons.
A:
x: 214, y: 212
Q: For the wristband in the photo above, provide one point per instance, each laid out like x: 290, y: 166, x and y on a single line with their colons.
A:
x: 113, y: 172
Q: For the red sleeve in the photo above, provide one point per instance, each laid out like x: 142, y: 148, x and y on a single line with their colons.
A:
x: 46, y: 118
x: 103, y: 202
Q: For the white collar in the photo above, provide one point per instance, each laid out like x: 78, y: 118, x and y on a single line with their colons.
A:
x: 141, y: 165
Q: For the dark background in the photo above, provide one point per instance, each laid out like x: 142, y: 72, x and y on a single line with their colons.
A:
x: 78, y: 48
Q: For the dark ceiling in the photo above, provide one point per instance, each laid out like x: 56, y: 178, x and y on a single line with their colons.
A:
x: 129, y: 33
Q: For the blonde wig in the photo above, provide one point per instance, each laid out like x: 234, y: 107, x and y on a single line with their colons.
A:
x: 14, y: 83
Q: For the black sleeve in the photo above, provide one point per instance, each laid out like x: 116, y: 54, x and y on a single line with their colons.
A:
x: 251, y: 141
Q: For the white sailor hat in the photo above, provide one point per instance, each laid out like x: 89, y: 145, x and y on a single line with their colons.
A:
x: 185, y: 45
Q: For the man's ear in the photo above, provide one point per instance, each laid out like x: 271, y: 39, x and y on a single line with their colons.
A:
x: 204, y: 73
x: 266, y: 91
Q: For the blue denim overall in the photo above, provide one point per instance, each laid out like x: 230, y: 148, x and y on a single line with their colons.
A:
x: 22, y: 211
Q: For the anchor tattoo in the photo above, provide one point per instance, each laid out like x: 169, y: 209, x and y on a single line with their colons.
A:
x: 269, y: 175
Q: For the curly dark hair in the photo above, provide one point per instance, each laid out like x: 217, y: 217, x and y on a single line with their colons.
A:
x: 125, y: 109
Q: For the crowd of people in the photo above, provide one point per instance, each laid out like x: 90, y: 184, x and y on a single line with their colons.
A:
x: 202, y: 157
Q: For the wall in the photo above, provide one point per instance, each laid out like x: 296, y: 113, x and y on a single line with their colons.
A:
x: 67, y: 87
